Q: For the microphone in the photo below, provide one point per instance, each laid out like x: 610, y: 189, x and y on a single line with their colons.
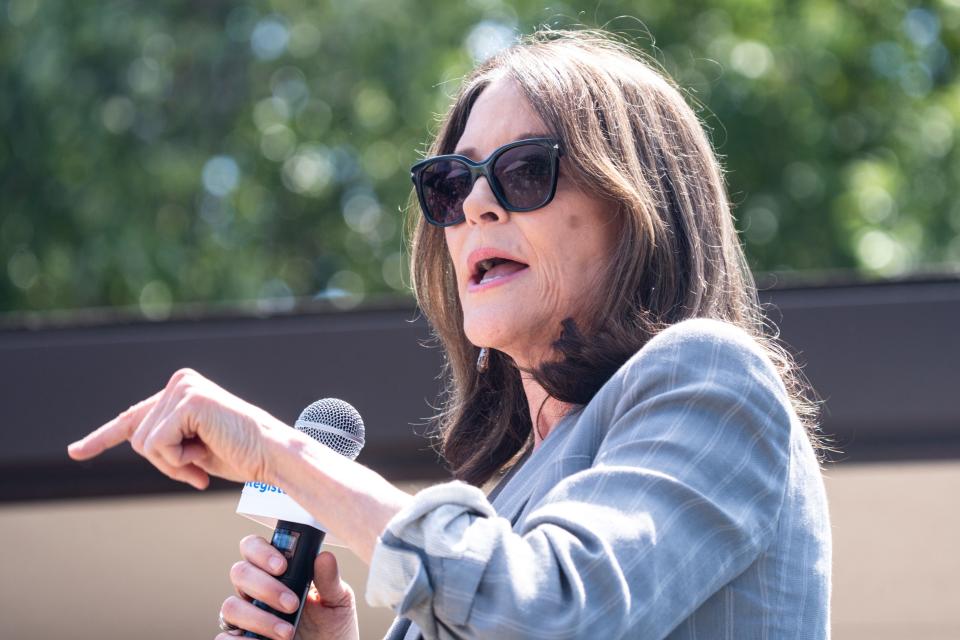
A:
x: 334, y: 424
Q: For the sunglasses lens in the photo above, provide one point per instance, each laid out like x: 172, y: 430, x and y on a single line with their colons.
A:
x: 445, y: 184
x: 525, y: 174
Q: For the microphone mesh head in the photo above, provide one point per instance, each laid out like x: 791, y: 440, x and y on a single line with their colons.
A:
x: 334, y: 424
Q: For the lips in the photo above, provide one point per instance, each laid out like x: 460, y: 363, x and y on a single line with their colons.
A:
x: 490, y: 265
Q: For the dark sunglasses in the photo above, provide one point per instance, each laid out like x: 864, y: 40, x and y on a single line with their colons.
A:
x: 521, y: 174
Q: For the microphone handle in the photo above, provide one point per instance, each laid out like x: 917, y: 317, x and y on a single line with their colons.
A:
x: 299, y: 544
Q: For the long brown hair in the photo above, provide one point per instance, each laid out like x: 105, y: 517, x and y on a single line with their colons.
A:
x: 629, y: 138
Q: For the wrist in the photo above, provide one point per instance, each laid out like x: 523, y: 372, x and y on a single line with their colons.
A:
x: 280, y: 444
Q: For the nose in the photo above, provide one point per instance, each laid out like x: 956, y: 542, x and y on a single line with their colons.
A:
x: 481, y: 205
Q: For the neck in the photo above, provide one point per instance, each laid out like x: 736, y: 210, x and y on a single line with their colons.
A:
x: 545, y: 411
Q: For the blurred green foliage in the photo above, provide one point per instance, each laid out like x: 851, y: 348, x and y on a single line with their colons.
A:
x: 166, y: 152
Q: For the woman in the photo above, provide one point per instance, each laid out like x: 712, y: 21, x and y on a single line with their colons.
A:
x: 578, y: 260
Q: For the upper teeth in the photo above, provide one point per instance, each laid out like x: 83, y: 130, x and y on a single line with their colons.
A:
x: 489, y: 263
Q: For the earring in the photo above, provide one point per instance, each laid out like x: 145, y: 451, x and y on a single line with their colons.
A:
x: 483, y: 360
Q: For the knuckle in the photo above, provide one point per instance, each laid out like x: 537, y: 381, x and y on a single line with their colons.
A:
x: 248, y: 542
x: 258, y: 551
x: 190, y: 398
x: 239, y: 571
x: 230, y: 607
x: 181, y: 377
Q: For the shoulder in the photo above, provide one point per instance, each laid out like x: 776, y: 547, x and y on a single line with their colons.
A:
x: 703, y: 348
x: 702, y: 335
x: 698, y: 397
x: 708, y: 366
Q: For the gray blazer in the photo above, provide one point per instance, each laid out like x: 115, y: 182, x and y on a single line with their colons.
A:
x: 684, y: 501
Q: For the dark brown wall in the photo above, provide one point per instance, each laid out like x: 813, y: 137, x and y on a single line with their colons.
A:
x: 883, y: 356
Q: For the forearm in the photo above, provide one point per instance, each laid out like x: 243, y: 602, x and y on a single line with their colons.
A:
x: 352, y: 501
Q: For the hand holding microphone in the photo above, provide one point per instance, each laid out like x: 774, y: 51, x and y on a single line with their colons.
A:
x: 329, y: 610
x: 296, y: 538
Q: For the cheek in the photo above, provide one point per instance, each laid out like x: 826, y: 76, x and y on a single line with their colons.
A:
x: 454, y: 249
x: 577, y: 268
x: 561, y: 275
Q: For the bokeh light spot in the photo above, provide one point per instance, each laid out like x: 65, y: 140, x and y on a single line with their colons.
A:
x: 270, y: 111
x: 290, y: 85
x: 345, y: 290
x: 159, y: 46
x: 921, y: 26
x: 117, y: 114
x: 23, y: 268
x: 146, y: 77
x: 875, y: 203
x: 362, y: 211
x: 886, y: 58
x: 879, y: 251
x: 220, y: 175
x: 394, y: 271
x: 277, y: 142
x: 373, y: 107
x: 269, y: 38
x: 761, y: 224
x: 751, y: 58
x: 305, y: 40
x: 308, y: 171
x: 488, y: 37
x: 915, y: 79
x: 803, y: 181
x: 380, y: 160
x: 156, y: 300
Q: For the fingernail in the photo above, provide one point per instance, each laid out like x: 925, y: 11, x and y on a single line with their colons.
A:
x: 276, y: 562
x: 289, y: 601
x: 284, y: 629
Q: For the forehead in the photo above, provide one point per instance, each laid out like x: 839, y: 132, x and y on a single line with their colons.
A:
x: 501, y: 114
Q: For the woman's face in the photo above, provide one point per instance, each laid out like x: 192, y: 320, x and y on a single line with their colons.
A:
x: 556, y: 254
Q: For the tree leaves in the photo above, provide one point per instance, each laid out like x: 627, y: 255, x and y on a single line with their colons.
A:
x: 162, y: 153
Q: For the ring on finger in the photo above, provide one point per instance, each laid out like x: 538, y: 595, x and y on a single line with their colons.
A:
x: 228, y: 627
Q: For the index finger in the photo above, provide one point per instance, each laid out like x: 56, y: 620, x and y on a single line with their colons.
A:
x: 114, y: 432
x: 262, y: 554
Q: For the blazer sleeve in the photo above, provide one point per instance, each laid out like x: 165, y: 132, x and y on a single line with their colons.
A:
x: 684, y: 494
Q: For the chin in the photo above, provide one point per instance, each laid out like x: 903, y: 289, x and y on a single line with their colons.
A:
x: 490, y: 328
x: 483, y: 335
x: 513, y: 338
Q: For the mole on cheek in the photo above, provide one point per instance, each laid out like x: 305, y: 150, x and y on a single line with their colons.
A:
x: 574, y: 222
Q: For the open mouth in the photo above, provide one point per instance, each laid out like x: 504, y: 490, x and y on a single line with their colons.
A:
x: 495, y: 268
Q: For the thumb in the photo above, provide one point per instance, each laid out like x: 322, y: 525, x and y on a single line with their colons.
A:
x: 331, y: 590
